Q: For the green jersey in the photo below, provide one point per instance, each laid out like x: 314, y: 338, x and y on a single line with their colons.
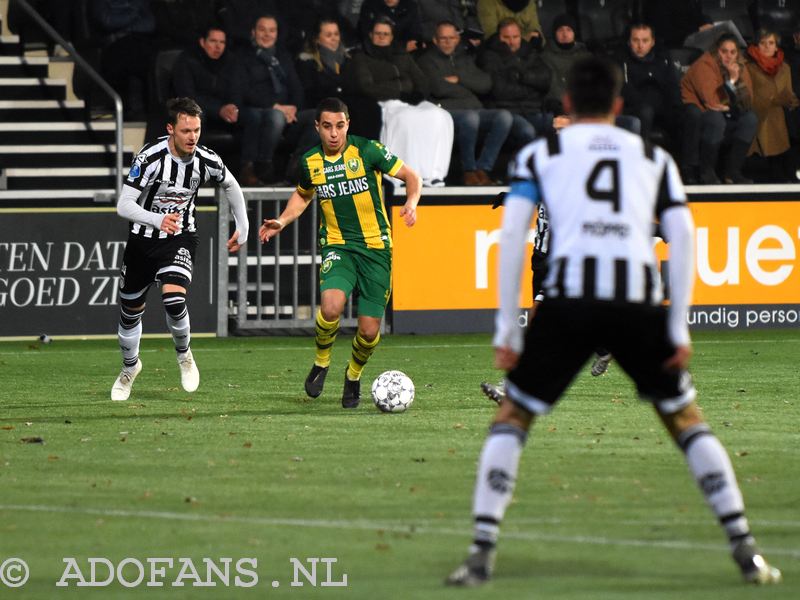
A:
x: 349, y: 190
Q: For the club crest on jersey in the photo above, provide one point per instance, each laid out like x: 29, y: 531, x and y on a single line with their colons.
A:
x: 353, y: 165
x: 328, y: 261
x: 194, y: 183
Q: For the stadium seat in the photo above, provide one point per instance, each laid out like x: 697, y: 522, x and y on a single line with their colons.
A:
x: 602, y: 23
x: 682, y: 58
x: 737, y: 11
x: 778, y: 15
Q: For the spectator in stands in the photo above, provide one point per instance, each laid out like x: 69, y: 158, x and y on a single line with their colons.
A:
x: 772, y: 93
x: 320, y: 67
x: 238, y: 16
x: 417, y: 130
x: 274, y: 93
x: 404, y: 15
x: 126, y: 37
x: 651, y: 89
x: 717, y: 94
x: 565, y: 51
x: 456, y: 81
x: 520, y: 80
x: 491, y: 12
x: 462, y: 13
x: 194, y: 17
x: 215, y: 80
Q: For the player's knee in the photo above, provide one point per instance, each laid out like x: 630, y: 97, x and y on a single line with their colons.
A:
x: 131, y: 311
x: 681, y: 420
x: 175, y: 304
x: 512, y: 414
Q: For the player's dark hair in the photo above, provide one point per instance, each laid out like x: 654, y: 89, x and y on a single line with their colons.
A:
x: 334, y: 105
x: 186, y: 106
x: 592, y: 84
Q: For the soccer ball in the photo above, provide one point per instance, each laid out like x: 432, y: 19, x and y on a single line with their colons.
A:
x: 392, y: 391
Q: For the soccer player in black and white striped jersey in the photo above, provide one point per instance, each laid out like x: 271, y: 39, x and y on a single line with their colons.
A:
x: 603, y: 187
x: 158, y: 198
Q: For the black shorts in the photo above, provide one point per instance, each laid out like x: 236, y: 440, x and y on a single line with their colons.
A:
x: 148, y: 261
x: 564, y: 334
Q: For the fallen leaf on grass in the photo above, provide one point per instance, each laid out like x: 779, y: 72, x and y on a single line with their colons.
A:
x: 32, y: 440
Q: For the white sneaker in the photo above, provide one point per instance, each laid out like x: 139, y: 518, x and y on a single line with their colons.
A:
x: 122, y: 386
x: 190, y: 376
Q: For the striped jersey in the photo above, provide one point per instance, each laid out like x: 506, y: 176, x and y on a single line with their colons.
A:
x: 603, y: 188
x: 349, y: 191
x: 166, y: 184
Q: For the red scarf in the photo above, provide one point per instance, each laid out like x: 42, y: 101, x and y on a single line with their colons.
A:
x: 768, y: 64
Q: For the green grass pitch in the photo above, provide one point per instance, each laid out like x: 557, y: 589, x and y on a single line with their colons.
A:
x: 248, y: 467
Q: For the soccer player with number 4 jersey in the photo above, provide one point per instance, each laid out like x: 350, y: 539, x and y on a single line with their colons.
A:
x: 355, y: 237
x: 603, y: 188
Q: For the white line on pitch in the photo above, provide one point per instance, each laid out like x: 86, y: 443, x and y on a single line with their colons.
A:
x: 382, y: 525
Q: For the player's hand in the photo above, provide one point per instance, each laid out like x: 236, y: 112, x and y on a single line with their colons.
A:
x: 505, y: 358
x: 269, y: 229
x: 680, y: 360
x: 409, y: 214
x: 171, y: 223
x: 233, y: 243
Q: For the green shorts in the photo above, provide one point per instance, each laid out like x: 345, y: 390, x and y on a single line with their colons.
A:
x: 369, y: 271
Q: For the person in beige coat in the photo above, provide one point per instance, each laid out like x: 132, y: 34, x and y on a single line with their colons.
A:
x: 772, y: 92
x: 717, y: 95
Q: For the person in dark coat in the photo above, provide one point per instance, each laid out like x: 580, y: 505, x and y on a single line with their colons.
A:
x: 213, y: 77
x: 274, y: 98
x: 404, y: 15
x: 320, y: 68
x: 520, y: 80
x: 651, y: 88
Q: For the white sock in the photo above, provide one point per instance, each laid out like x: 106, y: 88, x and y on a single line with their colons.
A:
x: 181, y: 332
x: 711, y: 467
x: 129, y: 343
x: 497, y: 474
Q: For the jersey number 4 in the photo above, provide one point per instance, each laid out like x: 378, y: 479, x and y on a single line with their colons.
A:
x: 606, y: 193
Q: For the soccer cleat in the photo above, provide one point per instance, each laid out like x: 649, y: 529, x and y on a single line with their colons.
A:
x: 474, y: 571
x: 351, y: 394
x: 316, y: 381
x: 494, y: 393
x: 190, y: 376
x: 600, y: 364
x: 121, y: 390
x: 752, y: 564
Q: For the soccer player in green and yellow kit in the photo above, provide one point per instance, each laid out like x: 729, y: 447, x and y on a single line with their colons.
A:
x: 355, y: 237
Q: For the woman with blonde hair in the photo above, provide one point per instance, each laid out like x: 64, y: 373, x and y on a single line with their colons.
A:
x: 772, y: 93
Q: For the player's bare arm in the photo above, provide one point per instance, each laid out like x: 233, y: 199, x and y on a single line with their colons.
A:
x: 294, y: 208
x: 413, y: 189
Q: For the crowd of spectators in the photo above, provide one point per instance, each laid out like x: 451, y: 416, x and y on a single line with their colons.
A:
x: 471, y: 79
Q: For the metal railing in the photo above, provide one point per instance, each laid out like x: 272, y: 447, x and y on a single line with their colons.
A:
x: 270, y: 287
x: 93, y: 75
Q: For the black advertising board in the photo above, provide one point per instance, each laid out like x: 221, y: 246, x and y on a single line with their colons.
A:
x: 59, y: 273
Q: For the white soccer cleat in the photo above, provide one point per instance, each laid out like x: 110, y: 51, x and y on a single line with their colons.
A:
x: 190, y: 376
x: 121, y: 390
x: 600, y: 364
x: 754, y: 568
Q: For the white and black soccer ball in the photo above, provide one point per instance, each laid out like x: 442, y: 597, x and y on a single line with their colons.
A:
x: 392, y: 391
